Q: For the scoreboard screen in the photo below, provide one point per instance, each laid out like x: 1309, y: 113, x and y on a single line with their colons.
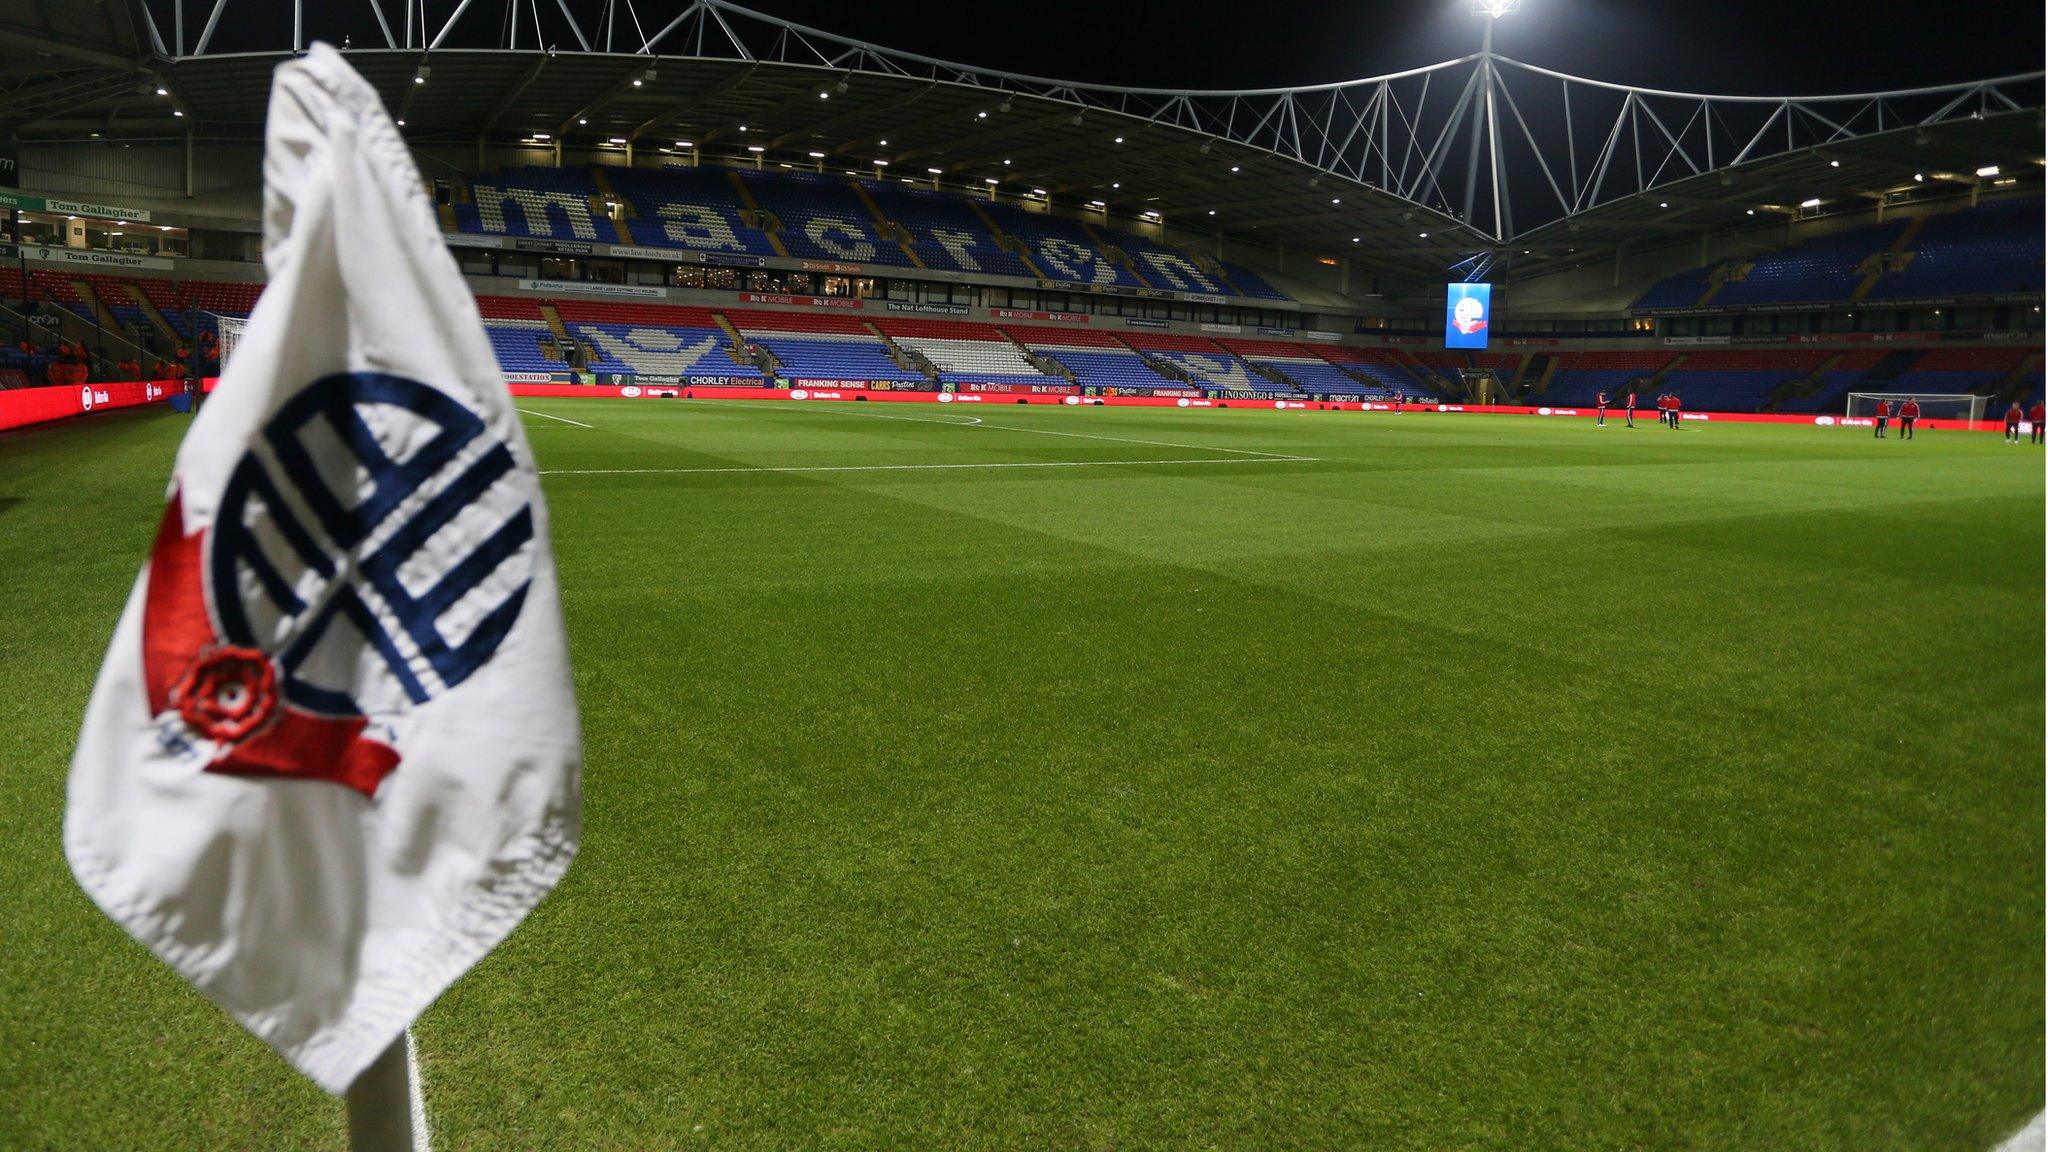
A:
x: 1468, y: 308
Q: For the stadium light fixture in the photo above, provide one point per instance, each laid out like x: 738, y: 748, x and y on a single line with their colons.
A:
x: 883, y: 143
x: 1006, y: 163
x: 1752, y: 211
x: 1116, y: 184
x: 1988, y: 170
x: 1356, y: 239
x: 1496, y: 8
x: 755, y: 148
x: 989, y: 180
x: 936, y: 171
x: 1810, y: 202
x: 1834, y: 163
x: 815, y: 155
x: 181, y: 112
x: 1425, y: 235
x: 545, y: 136
x: 1003, y: 107
x: 1919, y: 177
x: 622, y: 140
x: 824, y: 95
x: 983, y: 115
x: 1212, y: 211
x: 400, y: 121
x: 1097, y: 204
x: 581, y: 120
x: 1119, y: 139
x: 120, y: 223
x: 1663, y: 204
x: 636, y: 81
x: 686, y: 144
x: 1235, y: 168
x: 881, y: 163
x: 162, y: 91
x: 1336, y: 199
x: 840, y: 87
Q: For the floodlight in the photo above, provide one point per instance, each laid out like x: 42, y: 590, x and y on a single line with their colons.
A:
x: 936, y: 171
x: 815, y: 155
x: 1988, y: 170
x: 1495, y: 8
x: 1810, y: 202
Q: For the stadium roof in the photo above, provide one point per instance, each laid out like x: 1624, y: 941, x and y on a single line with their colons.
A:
x: 1474, y: 159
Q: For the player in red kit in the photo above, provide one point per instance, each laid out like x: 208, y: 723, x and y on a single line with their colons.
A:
x: 1884, y: 417
x: 2013, y: 416
x: 1630, y: 410
x: 2036, y: 415
x: 1908, y: 413
x: 1600, y: 410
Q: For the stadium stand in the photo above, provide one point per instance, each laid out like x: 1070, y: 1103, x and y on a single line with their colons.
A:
x: 554, y: 203
x: 654, y: 339
x: 1989, y: 250
x: 822, y: 218
x: 967, y: 353
x: 686, y: 207
x: 944, y: 230
x: 822, y: 347
x: 1993, y: 249
x: 1096, y: 359
x: 1061, y: 248
x: 1205, y: 361
x: 1302, y: 366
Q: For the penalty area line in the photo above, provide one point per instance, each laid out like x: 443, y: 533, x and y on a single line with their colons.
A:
x: 552, y: 416
x: 921, y: 467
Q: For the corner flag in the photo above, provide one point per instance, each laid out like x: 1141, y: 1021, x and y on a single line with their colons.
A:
x: 332, y: 758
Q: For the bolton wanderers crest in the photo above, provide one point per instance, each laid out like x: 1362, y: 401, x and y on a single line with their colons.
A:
x: 371, y: 550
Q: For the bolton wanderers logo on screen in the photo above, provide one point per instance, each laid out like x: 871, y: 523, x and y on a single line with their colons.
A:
x: 371, y: 550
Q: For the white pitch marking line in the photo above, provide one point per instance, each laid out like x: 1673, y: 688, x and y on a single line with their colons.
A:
x: 552, y: 416
x: 422, y: 1133
x: 2027, y: 1139
x: 919, y: 467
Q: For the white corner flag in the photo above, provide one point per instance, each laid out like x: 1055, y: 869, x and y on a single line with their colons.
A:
x: 333, y: 757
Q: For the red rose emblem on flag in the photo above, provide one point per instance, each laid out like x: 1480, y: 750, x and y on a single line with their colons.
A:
x: 227, y: 694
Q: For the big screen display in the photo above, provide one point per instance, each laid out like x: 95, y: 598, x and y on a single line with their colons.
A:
x: 1468, y: 309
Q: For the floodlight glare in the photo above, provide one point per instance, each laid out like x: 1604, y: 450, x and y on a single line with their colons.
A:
x: 1495, y: 8
x: 815, y: 155
x: 1811, y: 202
x: 1988, y: 170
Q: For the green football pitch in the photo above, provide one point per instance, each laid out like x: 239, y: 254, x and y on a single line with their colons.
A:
x: 1028, y: 777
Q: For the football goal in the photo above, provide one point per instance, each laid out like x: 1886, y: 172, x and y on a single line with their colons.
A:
x: 230, y: 335
x: 1933, y: 405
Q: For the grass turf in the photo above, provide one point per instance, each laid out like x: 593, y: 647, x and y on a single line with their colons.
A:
x: 1478, y: 782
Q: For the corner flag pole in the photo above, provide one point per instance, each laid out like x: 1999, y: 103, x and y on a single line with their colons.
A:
x: 386, y: 1112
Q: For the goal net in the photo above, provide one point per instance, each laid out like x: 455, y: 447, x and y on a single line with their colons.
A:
x: 230, y: 335
x: 1933, y: 405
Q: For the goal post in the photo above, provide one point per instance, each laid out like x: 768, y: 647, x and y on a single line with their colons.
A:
x: 1933, y: 405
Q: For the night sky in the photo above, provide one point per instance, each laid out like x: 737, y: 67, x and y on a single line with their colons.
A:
x: 1731, y: 47
x: 1737, y: 47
